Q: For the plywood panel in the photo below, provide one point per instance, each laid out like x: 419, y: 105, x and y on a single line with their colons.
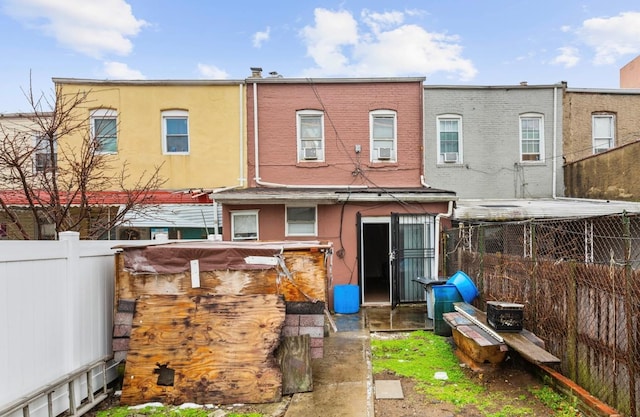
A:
x: 304, y: 280
x: 209, y: 349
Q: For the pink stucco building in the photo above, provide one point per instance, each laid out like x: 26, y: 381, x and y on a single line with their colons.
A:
x: 341, y: 160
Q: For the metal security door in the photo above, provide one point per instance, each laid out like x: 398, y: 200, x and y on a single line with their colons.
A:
x: 412, y: 255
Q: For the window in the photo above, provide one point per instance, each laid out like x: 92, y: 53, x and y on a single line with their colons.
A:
x: 603, y: 132
x: 175, y: 131
x: 449, y: 139
x: 310, y: 135
x: 531, y: 138
x: 44, y: 161
x: 244, y: 225
x: 105, y: 130
x: 383, y: 135
x: 301, y: 221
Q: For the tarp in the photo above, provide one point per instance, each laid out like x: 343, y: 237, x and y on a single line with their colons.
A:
x: 172, y: 258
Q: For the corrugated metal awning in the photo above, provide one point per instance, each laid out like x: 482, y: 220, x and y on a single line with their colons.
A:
x: 176, y: 215
x: 525, y: 209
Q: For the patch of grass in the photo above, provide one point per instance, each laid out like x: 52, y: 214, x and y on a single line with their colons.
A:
x: 555, y: 401
x: 165, y: 412
x: 420, y: 356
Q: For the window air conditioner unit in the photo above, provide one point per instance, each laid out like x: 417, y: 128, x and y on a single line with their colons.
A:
x: 310, y: 153
x: 384, y: 153
x: 450, y: 157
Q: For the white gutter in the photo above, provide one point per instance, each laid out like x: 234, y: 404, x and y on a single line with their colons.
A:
x: 437, y: 227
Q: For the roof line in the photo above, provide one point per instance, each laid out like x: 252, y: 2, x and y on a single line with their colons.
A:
x: 57, y: 80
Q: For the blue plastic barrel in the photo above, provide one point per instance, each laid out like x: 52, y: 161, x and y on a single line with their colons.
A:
x: 346, y: 299
x: 445, y: 295
x: 465, y: 286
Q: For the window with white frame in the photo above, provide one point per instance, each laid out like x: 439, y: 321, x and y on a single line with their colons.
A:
x: 244, y: 225
x: 603, y: 132
x: 310, y: 126
x: 449, y: 138
x: 175, y: 131
x: 104, y: 130
x: 383, y: 135
x: 301, y: 221
x: 44, y: 159
x: 531, y: 138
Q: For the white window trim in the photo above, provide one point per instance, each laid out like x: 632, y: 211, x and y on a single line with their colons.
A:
x: 38, y: 142
x: 245, y: 213
x: 320, y: 155
x: 394, y: 149
x: 104, y: 114
x: 541, y: 150
x: 610, y: 116
x: 439, y: 155
x: 169, y: 114
x: 286, y: 222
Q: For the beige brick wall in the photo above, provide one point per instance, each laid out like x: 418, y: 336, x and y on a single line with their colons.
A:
x: 578, y: 108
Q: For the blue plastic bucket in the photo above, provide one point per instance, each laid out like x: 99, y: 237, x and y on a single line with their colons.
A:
x: 465, y: 286
x: 346, y: 299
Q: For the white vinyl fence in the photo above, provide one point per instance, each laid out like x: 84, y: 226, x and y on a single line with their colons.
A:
x: 56, y: 321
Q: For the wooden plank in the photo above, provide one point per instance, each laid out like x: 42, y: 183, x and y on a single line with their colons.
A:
x: 294, y: 356
x: 492, y: 353
x: 216, y: 349
x: 515, y: 340
x: 306, y: 281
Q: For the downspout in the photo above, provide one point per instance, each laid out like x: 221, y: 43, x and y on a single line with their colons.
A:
x: 242, y: 144
x: 437, y: 227
x: 555, y: 141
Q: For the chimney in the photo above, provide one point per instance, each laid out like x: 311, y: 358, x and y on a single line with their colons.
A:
x: 256, y: 72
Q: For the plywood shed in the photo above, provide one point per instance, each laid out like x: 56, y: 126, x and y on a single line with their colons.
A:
x: 201, y: 321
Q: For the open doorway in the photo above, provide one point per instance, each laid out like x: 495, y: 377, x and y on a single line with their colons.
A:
x: 376, y: 241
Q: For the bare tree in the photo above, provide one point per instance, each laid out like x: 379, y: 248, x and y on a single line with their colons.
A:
x: 64, y: 183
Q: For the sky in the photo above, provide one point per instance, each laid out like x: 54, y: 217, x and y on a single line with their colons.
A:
x: 453, y: 42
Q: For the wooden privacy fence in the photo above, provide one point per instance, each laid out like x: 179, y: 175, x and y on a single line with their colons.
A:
x: 580, y: 284
x: 56, y: 318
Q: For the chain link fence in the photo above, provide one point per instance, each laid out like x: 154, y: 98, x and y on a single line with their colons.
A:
x: 579, y: 280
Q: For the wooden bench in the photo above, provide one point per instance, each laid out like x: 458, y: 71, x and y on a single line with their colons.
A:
x: 523, y: 342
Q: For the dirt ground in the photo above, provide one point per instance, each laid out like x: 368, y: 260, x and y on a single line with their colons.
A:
x: 510, y: 382
x: 511, y: 385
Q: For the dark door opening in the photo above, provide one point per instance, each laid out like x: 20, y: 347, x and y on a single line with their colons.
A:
x: 375, y: 251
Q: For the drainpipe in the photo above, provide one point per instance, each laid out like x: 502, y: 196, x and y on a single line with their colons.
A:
x: 437, y: 227
x: 242, y: 144
x: 555, y: 140
x: 424, y: 184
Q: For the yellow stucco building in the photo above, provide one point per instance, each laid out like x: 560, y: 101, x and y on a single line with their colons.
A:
x: 194, y: 130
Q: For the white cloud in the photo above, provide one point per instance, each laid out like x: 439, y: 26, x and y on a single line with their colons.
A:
x: 565, y: 28
x: 568, y: 57
x: 94, y: 28
x: 380, y: 21
x: 211, y: 71
x: 260, y: 37
x: 612, y: 37
x: 385, y: 47
x: 121, y: 71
